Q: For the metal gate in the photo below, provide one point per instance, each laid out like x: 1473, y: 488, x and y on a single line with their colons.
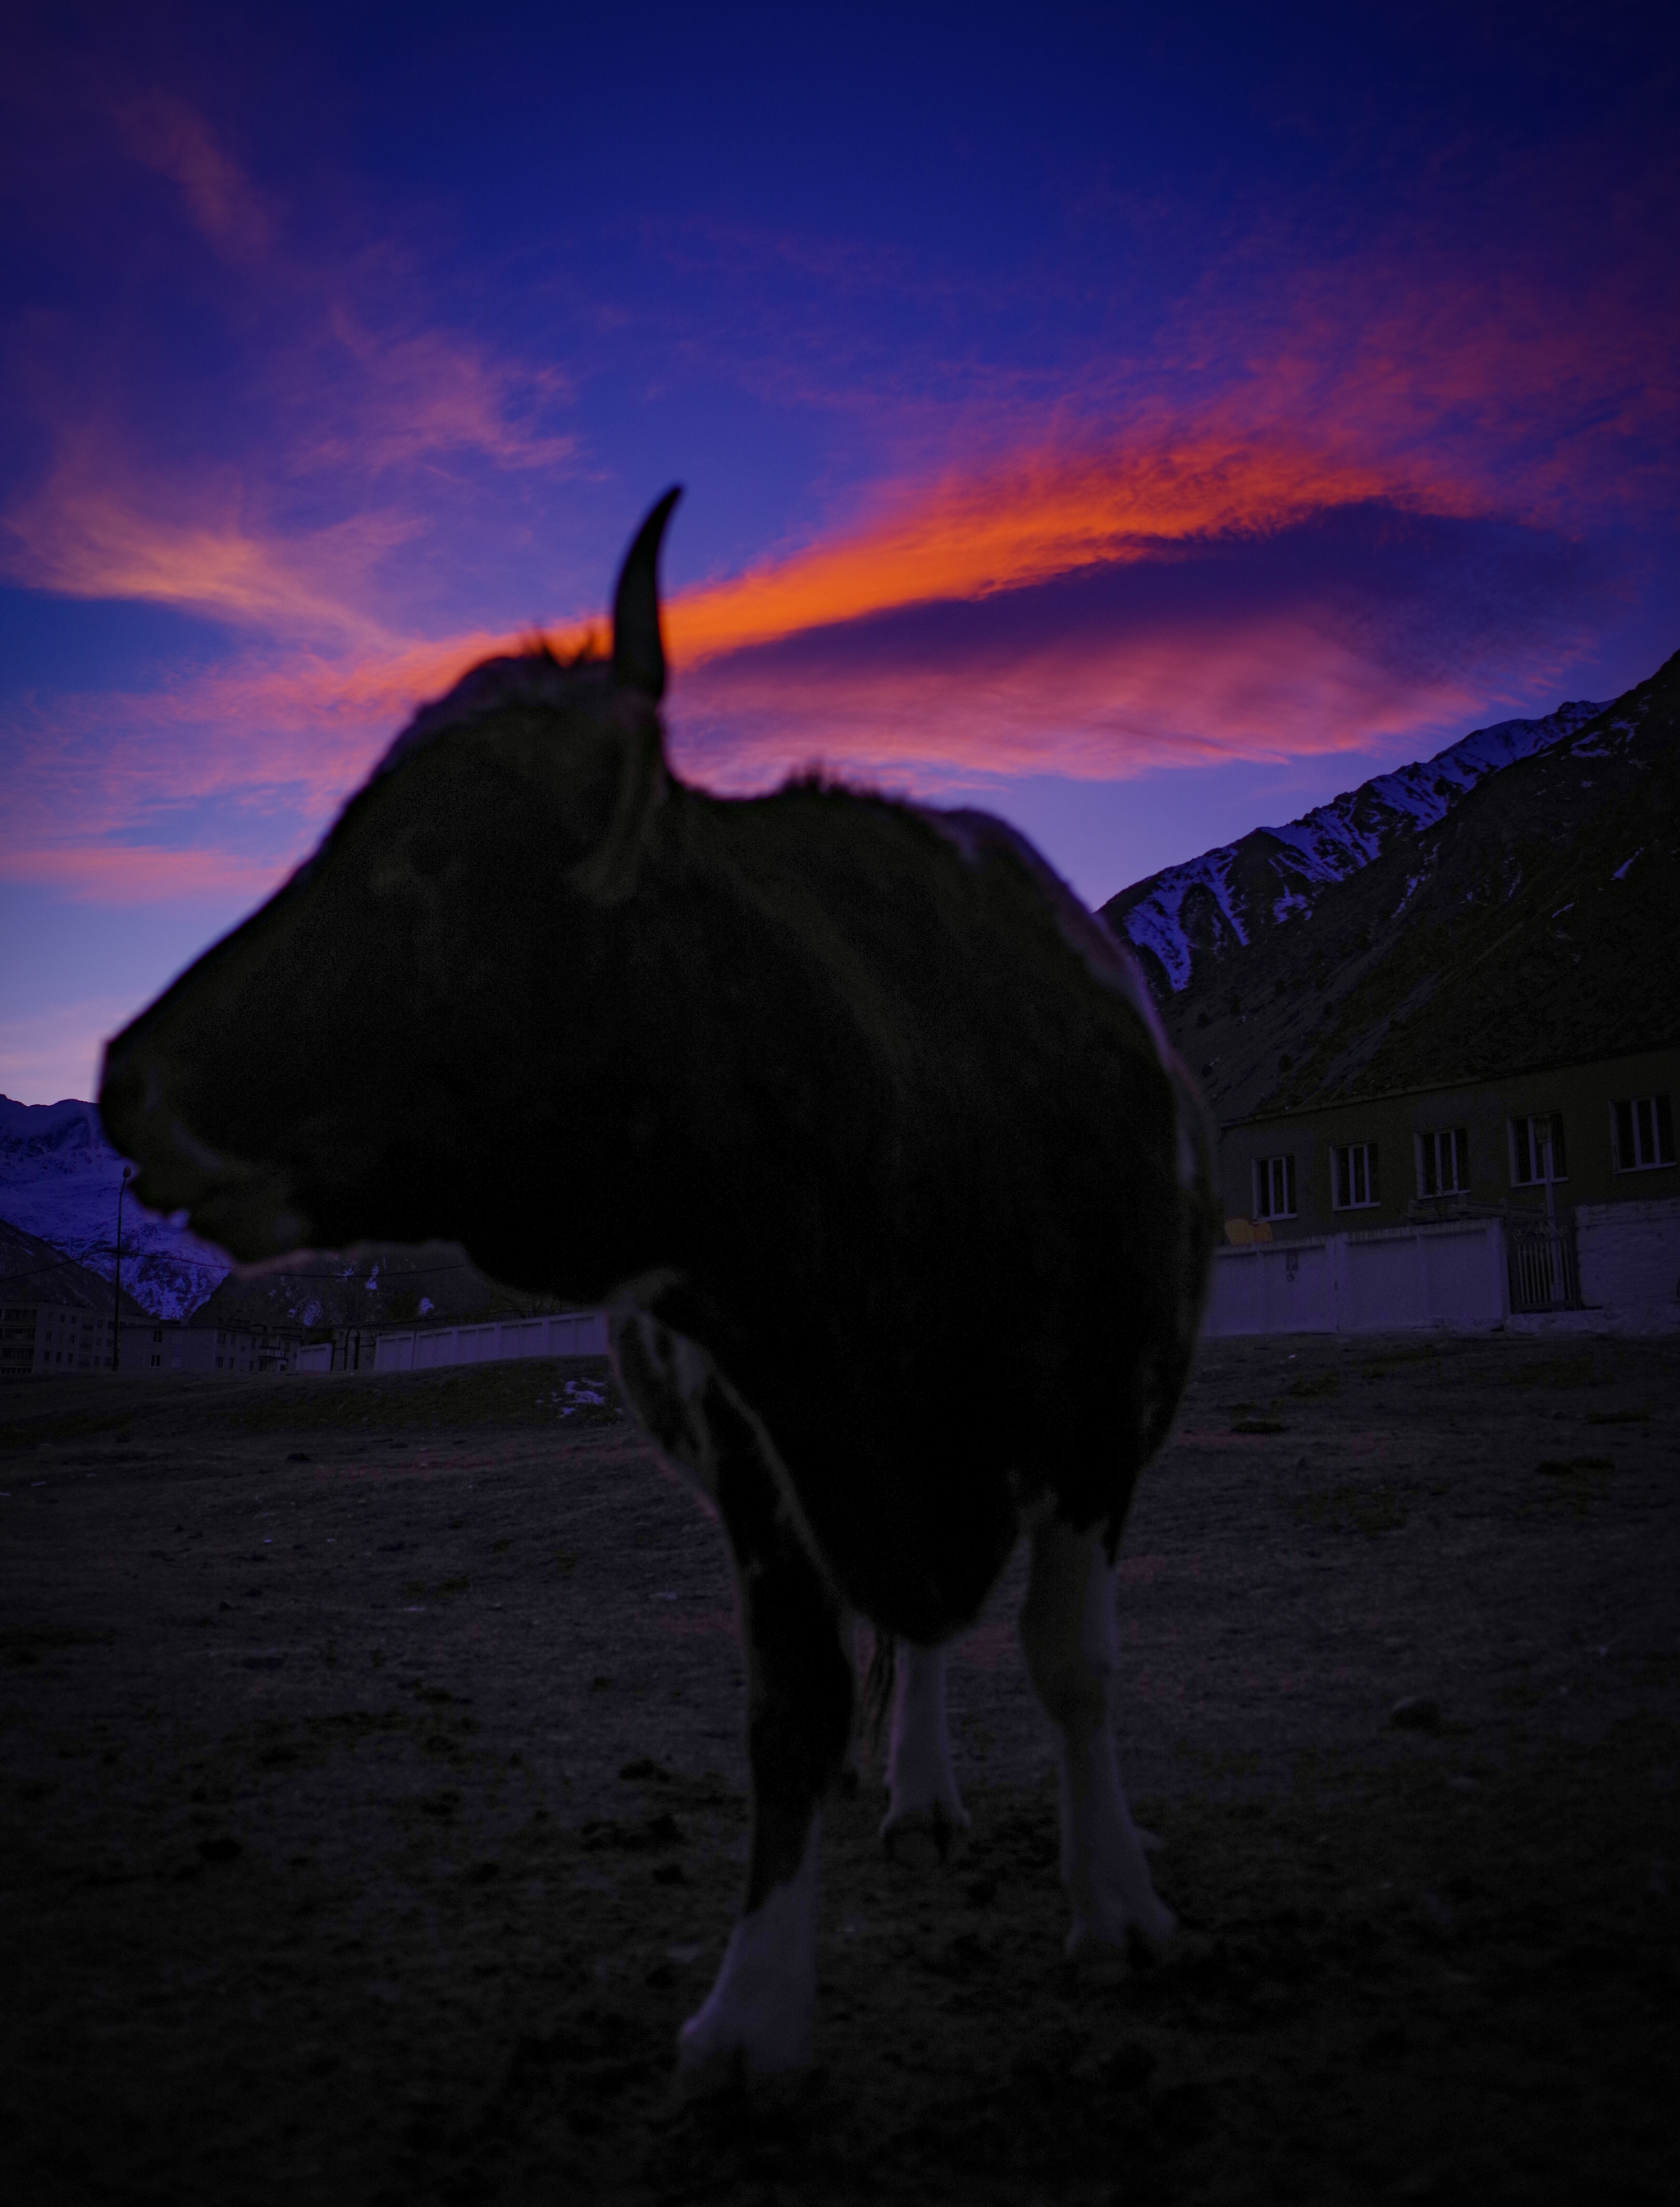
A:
x: 1545, y: 1274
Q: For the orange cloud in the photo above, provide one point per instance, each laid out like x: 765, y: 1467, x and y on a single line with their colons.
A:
x: 953, y: 632
x: 1024, y: 521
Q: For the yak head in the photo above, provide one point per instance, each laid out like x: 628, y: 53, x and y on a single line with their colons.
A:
x: 379, y: 1050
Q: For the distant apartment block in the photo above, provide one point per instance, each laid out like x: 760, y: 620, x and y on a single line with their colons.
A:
x: 37, y: 1338
x: 1571, y: 1166
x: 1537, y: 1144
x: 158, y: 1346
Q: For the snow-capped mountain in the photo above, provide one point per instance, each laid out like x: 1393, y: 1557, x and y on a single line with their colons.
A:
x: 59, y: 1179
x: 1228, y: 895
x: 1510, y: 904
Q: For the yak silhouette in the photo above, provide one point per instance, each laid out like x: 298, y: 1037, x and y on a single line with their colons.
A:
x: 862, y: 1127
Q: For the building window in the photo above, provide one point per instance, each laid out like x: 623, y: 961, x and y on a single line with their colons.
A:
x: 1443, y: 1160
x: 1274, y: 1187
x: 1354, y: 1184
x: 1536, y: 1149
x: 1644, y: 1132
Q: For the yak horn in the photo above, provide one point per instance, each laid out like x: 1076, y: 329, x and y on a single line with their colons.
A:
x: 638, y: 655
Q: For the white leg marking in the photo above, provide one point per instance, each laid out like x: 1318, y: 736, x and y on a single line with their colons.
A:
x: 922, y: 1786
x: 760, y: 2009
x: 1068, y: 1627
x: 850, y: 1769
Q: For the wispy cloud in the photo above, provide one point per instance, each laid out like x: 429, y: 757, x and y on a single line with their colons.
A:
x: 345, y: 423
x: 163, y: 133
x: 138, y: 873
x: 1334, y: 500
x: 94, y: 528
x: 423, y: 394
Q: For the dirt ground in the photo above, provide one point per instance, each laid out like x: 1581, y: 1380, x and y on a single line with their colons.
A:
x: 372, y: 1809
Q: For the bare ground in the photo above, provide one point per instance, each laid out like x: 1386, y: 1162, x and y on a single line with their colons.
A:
x: 372, y: 1810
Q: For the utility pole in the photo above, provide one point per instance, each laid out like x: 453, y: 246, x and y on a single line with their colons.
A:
x: 117, y: 1296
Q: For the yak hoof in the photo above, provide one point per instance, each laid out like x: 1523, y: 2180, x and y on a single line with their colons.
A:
x: 946, y: 1824
x: 1114, y: 1936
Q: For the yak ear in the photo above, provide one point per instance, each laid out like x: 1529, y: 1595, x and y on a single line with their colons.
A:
x: 638, y: 655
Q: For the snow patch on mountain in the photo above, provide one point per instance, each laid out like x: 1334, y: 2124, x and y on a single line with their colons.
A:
x: 59, y: 1179
x: 1335, y: 840
x: 1157, y: 923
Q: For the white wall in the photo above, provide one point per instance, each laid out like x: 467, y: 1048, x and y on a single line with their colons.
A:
x: 1630, y: 1259
x: 1452, y: 1275
x: 570, y: 1333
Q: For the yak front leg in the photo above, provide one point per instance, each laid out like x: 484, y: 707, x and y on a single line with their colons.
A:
x: 760, y: 2012
x: 922, y: 1786
x: 1068, y: 1631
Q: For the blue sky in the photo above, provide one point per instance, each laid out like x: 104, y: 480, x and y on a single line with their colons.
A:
x: 1145, y: 428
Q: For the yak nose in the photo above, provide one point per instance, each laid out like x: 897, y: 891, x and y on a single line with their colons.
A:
x: 245, y: 1206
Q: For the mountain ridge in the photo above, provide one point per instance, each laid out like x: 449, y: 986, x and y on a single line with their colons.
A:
x: 59, y: 1180
x: 1533, y: 921
x: 1227, y: 890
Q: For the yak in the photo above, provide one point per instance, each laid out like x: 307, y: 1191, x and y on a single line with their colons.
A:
x: 861, y: 1126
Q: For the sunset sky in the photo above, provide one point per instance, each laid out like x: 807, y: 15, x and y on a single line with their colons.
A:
x: 1143, y: 422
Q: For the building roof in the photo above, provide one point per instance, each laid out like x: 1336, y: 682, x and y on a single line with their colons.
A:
x: 1318, y: 1106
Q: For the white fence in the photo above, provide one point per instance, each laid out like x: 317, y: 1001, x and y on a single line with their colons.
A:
x: 1451, y: 1275
x: 1630, y: 1259
x: 422, y: 1348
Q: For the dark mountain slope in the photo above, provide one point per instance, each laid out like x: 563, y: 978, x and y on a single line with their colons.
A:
x: 33, y: 1271
x: 1537, y: 920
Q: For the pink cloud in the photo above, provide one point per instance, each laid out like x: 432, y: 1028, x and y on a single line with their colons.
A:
x: 1526, y: 359
x: 132, y: 873
x: 164, y: 133
x: 1195, y: 695
x: 355, y: 387
x: 1402, y: 378
x: 429, y: 392
x: 95, y: 528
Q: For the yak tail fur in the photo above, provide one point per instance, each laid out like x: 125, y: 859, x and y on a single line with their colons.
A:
x: 878, y: 1687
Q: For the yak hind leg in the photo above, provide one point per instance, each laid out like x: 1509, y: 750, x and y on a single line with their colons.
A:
x: 1068, y: 1631
x: 759, y: 2014
x: 921, y: 1785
